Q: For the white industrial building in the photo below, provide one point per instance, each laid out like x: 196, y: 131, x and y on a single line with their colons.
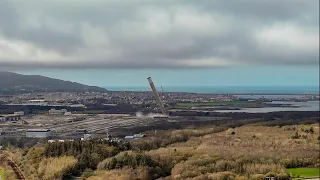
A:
x: 38, y: 133
x: 21, y: 113
x: 135, y: 136
x: 57, y: 112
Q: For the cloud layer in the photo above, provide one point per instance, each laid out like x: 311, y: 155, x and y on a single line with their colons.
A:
x: 158, y: 34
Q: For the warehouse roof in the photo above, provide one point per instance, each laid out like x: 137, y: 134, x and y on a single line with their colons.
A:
x: 38, y: 130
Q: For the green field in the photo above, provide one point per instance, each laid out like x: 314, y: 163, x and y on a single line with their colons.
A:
x: 304, y: 172
x: 222, y: 103
x: 1, y: 174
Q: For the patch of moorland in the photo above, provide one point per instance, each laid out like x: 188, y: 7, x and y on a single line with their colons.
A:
x: 243, y: 149
x: 247, y: 152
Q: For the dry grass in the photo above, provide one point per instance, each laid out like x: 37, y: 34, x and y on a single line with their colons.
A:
x: 253, y: 152
x: 140, y: 173
x: 54, y: 168
x: 36, y: 167
x: 7, y: 171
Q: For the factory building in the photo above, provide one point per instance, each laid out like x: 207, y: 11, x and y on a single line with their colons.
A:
x: 9, y: 117
x: 57, y: 112
x: 38, y: 133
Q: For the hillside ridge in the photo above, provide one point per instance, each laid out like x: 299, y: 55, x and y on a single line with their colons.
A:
x: 11, y: 82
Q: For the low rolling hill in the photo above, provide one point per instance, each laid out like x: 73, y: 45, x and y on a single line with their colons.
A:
x: 15, y: 83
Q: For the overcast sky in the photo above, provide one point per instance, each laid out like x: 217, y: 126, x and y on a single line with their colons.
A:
x: 163, y: 34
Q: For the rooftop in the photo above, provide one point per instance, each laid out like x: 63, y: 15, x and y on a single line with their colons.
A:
x: 9, y: 115
x: 38, y: 130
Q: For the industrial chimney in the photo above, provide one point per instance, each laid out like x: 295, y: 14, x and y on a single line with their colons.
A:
x: 156, y: 95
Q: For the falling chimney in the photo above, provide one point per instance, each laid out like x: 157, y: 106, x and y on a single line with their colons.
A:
x: 156, y: 95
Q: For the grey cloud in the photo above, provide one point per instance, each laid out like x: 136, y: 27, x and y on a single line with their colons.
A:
x: 158, y: 34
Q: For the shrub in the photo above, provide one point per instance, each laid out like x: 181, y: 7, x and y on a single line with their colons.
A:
x: 87, y: 173
x: 296, y: 136
x: 257, y: 177
x: 311, y: 130
x: 134, y: 160
x: 226, y: 175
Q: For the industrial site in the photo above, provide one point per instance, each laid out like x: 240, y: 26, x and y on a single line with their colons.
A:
x: 55, y: 116
x: 58, y: 123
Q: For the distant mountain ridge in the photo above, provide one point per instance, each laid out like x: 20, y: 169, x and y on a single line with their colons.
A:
x: 14, y: 83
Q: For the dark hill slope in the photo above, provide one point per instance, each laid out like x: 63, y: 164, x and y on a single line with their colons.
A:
x: 13, y: 83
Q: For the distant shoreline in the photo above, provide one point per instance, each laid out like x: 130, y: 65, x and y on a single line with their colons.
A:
x: 231, y: 90
x: 249, y: 94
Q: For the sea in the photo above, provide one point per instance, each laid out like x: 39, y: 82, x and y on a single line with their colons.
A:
x: 225, y: 89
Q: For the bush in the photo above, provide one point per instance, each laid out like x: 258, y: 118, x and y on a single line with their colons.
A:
x: 223, y: 176
x: 87, y: 173
x: 134, y: 160
x: 311, y: 130
x: 257, y: 177
x: 296, y: 136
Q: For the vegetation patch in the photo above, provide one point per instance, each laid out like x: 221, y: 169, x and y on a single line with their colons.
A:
x: 54, y: 168
x: 233, y: 150
x: 1, y: 174
x: 304, y: 172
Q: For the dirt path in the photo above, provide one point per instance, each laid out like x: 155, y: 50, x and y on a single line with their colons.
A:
x: 14, y: 166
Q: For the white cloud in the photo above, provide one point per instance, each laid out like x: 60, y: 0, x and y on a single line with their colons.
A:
x: 289, y: 37
x: 157, y: 34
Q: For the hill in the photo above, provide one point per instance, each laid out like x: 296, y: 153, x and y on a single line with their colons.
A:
x: 14, y: 83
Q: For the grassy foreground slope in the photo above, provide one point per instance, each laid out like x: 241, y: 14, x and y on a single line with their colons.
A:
x: 253, y: 152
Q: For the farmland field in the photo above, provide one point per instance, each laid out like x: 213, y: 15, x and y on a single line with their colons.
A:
x: 304, y: 172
